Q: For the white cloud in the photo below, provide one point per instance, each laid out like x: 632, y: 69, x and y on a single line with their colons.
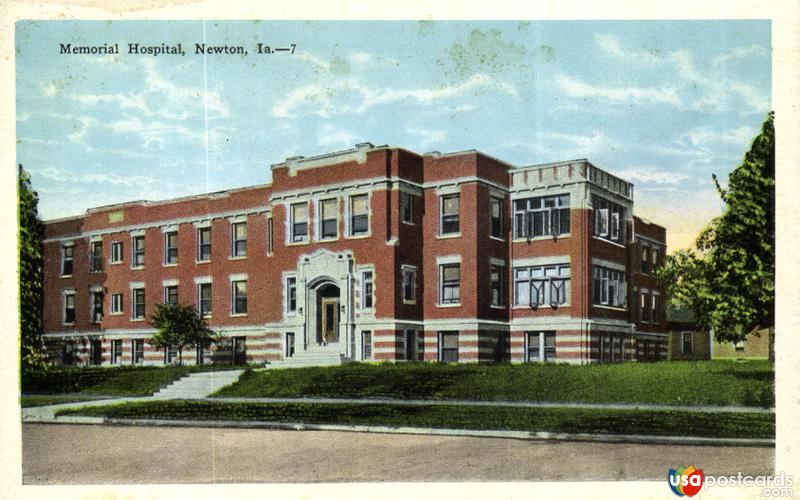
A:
x: 428, y: 137
x: 75, y: 176
x: 577, y: 88
x: 652, y: 175
x: 561, y: 146
x: 49, y: 90
x: 703, y: 136
x: 739, y: 53
x: 361, y: 57
x: 610, y: 44
x: 331, y: 137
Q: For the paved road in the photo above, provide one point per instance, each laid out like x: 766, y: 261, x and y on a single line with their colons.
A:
x: 92, y: 454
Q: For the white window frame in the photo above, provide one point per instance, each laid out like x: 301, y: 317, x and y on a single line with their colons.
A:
x: 654, y: 306
x: 167, y: 248
x: 270, y: 236
x: 199, y: 284
x: 546, y: 283
x: 168, y: 286
x: 235, y: 254
x: 292, y: 222
x: 492, y: 201
x: 364, y: 282
x: 366, y: 345
x: 64, y: 259
x: 683, y: 342
x: 115, y: 305
x: 406, y: 202
x: 527, y: 211
x: 442, y: 267
x: 93, y: 302
x: 613, y: 287
x: 134, y: 252
x: 99, y: 257
x: 350, y: 215
x: 457, y: 216
x: 135, y: 289
x: 290, y: 282
x: 64, y: 294
x: 234, y: 281
x: 411, y: 272
x: 501, y: 274
x: 320, y: 222
x: 200, y: 244
x: 116, y: 254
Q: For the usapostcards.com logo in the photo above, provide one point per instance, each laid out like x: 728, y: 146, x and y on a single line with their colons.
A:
x: 686, y: 481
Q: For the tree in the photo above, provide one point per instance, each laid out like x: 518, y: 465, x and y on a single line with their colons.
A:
x: 180, y: 326
x: 730, y: 281
x: 31, y: 232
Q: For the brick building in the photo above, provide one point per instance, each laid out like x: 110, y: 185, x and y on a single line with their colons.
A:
x: 374, y: 253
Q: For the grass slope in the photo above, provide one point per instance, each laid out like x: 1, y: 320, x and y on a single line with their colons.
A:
x: 711, y: 382
x: 117, y: 381
x: 659, y: 423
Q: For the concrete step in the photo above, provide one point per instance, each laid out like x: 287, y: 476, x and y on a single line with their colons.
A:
x: 198, y: 385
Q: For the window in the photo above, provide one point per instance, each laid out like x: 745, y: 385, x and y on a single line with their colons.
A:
x: 654, y: 254
x: 67, y: 354
x: 116, y: 252
x: 291, y: 294
x: 204, y: 299
x: 448, y: 347
x: 116, y: 352
x: 407, y: 207
x: 96, y: 257
x: 359, y: 215
x: 644, y: 310
x: 289, y: 344
x: 138, y: 251
x: 450, y: 279
x: 410, y: 339
x: 366, y: 345
x: 239, y: 297
x: 449, y: 223
x: 609, y: 287
x: 116, y: 303
x: 645, y: 260
x: 204, y: 244
x: 409, y: 285
x: 607, y: 217
x: 171, y: 247
x: 541, y: 216
x: 299, y: 222
x: 654, y: 316
x: 686, y: 342
x: 270, y: 236
x: 97, y: 307
x: 541, y: 346
x: 329, y: 219
x: 67, y: 253
x: 170, y: 353
x: 137, y: 347
x: 171, y: 295
x: 739, y: 345
x: 496, y: 217
x: 138, y: 303
x: 69, y: 307
x: 367, y: 290
x: 542, y: 285
x: 239, y: 239
x: 496, y: 285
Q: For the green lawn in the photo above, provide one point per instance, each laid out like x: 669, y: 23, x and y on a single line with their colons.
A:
x: 679, y: 382
x: 659, y: 423
x: 116, y: 381
x: 43, y: 400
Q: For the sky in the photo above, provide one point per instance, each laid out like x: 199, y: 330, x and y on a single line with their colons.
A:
x: 663, y: 104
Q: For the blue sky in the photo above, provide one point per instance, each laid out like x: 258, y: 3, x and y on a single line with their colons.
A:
x: 662, y: 104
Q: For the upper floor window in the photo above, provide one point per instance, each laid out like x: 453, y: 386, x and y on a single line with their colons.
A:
x: 687, y: 343
x: 69, y: 307
x: 138, y: 252
x: 116, y: 303
x: 359, y: 215
x: 291, y: 294
x: 171, y: 294
x: 171, y: 247
x: 654, y: 255
x: 96, y: 257
x: 97, y: 307
x: 496, y: 217
x: 239, y: 239
x: 449, y: 209
x: 542, y: 285
x: 137, y: 311
x: 299, y: 222
x: 644, y: 308
x: 116, y: 252
x: 654, y: 316
x: 270, y: 237
x: 203, y: 244
x: 67, y: 253
x: 367, y: 290
x: 407, y: 207
x: 607, y: 217
x: 239, y: 297
x: 409, y: 285
x: 450, y: 284
x: 645, y: 260
x: 329, y: 219
x: 609, y: 287
x: 204, y: 299
x: 541, y: 216
x: 496, y: 287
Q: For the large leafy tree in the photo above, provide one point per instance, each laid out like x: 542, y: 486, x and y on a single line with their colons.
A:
x: 730, y: 280
x: 31, y: 232
x: 179, y: 326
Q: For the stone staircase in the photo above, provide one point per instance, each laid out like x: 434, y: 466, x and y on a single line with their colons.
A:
x: 198, y: 385
x: 314, y: 356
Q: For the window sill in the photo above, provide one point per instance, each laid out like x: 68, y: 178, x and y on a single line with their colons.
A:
x: 208, y: 316
x: 496, y: 307
x: 297, y: 243
x: 136, y: 320
x: 610, y: 242
x: 409, y: 223
x: 367, y: 310
x: 358, y: 237
x: 327, y: 239
x: 170, y: 265
x: 610, y: 308
x: 139, y: 268
x: 114, y: 263
x: 495, y: 238
x: 238, y: 315
x: 96, y: 271
x: 202, y: 262
x: 68, y: 324
x: 66, y: 276
x: 448, y: 236
x: 540, y: 308
x: 542, y: 238
x: 238, y: 257
x: 116, y: 314
x: 409, y: 302
x: 448, y: 305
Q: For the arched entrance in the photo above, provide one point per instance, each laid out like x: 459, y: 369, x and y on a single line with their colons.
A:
x: 327, y: 301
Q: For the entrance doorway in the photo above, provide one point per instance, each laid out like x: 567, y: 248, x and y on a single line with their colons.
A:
x: 97, y: 351
x: 328, y: 314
